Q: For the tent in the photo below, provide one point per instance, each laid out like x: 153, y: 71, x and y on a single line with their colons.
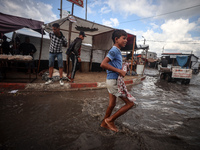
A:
x: 10, y: 23
x: 99, y: 36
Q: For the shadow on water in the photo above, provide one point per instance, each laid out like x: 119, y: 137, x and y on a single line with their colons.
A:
x: 167, y: 116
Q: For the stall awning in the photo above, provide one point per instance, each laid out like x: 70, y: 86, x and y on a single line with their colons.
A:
x: 10, y: 23
x: 99, y: 36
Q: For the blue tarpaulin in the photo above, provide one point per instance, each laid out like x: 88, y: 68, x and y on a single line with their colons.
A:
x: 182, y: 60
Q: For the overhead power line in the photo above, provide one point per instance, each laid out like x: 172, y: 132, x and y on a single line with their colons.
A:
x: 180, y: 42
x: 162, y: 14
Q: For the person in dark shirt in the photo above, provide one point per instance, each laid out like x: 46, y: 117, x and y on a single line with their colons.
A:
x: 75, y: 55
x: 5, y: 46
x: 28, y: 48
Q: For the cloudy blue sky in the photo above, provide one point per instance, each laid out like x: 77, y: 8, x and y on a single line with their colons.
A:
x: 170, y: 24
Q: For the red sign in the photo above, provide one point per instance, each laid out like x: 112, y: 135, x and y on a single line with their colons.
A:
x: 77, y: 2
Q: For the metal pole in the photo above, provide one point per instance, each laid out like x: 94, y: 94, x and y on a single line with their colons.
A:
x: 60, y: 9
x: 145, y: 61
x: 69, y: 38
x: 86, y: 10
x: 132, y: 54
x: 144, y: 40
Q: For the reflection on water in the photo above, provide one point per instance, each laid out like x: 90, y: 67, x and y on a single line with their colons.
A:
x: 167, y: 116
x: 164, y: 109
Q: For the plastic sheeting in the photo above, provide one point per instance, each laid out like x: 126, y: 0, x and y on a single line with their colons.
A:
x: 99, y: 39
x: 10, y: 23
x: 182, y: 60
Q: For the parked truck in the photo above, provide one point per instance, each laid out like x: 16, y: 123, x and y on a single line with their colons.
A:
x: 177, y: 67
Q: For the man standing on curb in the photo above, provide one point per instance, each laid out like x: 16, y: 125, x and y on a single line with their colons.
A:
x: 55, y: 50
x: 75, y: 54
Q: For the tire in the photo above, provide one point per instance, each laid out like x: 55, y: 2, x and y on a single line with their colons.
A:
x: 162, y: 76
x: 187, y: 81
x: 183, y: 81
x: 168, y: 78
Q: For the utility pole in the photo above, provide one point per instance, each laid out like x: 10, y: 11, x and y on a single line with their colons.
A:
x: 60, y: 9
x: 144, y: 40
x: 69, y: 38
x: 86, y: 11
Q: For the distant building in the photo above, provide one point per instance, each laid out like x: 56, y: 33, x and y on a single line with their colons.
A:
x: 151, y: 55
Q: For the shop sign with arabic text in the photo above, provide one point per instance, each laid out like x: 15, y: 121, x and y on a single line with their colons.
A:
x: 77, y: 2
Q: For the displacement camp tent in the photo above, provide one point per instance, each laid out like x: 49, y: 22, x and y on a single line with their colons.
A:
x: 10, y: 23
x: 99, y: 36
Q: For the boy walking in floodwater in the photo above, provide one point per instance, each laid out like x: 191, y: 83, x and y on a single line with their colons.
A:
x: 113, y: 64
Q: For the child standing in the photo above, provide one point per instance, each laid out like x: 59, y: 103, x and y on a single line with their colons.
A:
x: 113, y: 64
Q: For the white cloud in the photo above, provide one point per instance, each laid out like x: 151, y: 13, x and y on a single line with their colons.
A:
x: 28, y: 9
x: 143, y: 8
x: 166, y: 6
x: 178, y: 29
x: 154, y: 26
x: 90, y: 11
x: 172, y: 32
x: 105, y: 10
x: 148, y: 8
x: 113, y: 22
x: 95, y: 3
x: 91, y: 7
x: 198, y: 21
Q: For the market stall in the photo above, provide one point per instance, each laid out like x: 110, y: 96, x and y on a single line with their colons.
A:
x: 9, y: 23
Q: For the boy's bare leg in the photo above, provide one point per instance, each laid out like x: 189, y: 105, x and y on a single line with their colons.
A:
x: 61, y: 72
x: 112, y: 103
x: 110, y: 120
x: 50, y: 72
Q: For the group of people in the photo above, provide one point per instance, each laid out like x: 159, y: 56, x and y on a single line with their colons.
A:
x: 57, y: 41
x: 112, y: 63
x: 25, y: 48
x: 17, y: 48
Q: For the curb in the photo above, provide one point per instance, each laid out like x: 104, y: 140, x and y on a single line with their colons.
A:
x: 20, y: 86
x: 67, y: 86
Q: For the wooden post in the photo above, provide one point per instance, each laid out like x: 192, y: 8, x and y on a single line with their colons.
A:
x: 69, y: 40
x: 190, y: 56
x: 145, y: 60
x: 91, y: 57
x: 40, y: 53
x: 132, y: 54
x: 60, y: 9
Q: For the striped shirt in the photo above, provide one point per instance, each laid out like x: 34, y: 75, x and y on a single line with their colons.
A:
x: 57, y: 43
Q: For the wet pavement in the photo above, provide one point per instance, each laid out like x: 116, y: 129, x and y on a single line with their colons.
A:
x: 167, y: 116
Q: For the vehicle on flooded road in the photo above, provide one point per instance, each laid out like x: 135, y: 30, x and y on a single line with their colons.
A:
x: 178, y: 67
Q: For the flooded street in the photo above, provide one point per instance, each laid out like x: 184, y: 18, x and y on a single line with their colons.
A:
x: 167, y: 116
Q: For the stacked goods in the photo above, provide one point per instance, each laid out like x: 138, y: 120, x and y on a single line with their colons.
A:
x: 27, y: 58
x: 4, y: 56
x: 16, y: 57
